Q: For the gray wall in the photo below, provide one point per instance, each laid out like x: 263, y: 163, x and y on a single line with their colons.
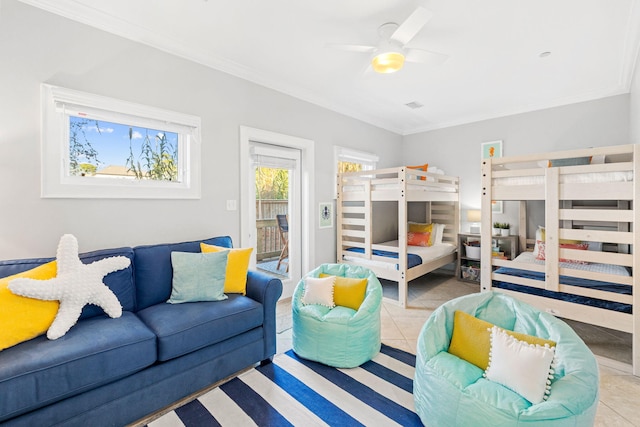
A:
x: 634, y: 109
x: 36, y: 47
x: 457, y: 149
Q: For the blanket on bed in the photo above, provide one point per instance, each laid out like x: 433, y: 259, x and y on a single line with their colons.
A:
x: 567, y: 280
x: 412, y: 259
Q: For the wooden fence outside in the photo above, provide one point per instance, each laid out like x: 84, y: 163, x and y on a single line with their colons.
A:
x: 268, y: 240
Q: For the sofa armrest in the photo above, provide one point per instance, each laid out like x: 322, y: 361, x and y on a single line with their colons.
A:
x: 266, y: 290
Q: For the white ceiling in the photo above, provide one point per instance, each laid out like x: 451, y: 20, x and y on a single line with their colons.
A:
x: 494, y: 68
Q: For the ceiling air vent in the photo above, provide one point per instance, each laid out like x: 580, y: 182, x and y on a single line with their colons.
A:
x: 414, y: 105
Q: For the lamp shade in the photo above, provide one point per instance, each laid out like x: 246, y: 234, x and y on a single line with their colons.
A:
x: 474, y: 215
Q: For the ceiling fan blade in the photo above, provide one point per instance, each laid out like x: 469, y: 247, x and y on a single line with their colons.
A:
x: 425, y: 57
x: 410, y: 27
x: 351, y: 47
x: 367, y: 71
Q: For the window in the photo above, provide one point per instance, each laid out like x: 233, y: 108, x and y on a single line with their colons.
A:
x: 348, y: 160
x: 93, y: 146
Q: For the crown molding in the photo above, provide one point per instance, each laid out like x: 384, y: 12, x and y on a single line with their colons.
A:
x: 79, y: 12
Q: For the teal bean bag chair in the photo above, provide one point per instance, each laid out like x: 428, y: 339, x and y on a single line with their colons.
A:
x: 449, y: 391
x: 340, y: 337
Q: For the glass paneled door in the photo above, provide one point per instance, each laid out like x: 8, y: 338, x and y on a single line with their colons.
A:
x: 275, y: 171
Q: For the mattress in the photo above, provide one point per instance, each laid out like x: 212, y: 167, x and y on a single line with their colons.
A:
x: 416, y: 255
x: 574, y: 178
x: 527, y: 257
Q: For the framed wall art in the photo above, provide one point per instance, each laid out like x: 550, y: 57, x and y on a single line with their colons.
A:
x: 491, y: 149
x: 326, y: 215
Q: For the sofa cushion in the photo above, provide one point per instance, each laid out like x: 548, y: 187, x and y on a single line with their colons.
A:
x: 153, y: 272
x: 95, y: 352
x: 120, y: 282
x: 183, y: 328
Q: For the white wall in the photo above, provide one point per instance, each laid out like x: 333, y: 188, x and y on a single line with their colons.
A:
x: 634, y: 108
x: 457, y: 149
x: 36, y: 47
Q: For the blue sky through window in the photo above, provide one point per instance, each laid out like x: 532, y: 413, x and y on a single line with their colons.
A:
x: 111, y: 140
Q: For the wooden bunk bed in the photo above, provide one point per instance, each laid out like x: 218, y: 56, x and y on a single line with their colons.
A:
x: 590, y: 234
x: 373, y: 210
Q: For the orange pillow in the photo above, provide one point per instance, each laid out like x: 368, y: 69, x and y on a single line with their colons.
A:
x: 422, y: 168
x: 419, y: 227
x: 418, y: 239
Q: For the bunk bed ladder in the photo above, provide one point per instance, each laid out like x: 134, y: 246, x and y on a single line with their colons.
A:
x: 353, y: 222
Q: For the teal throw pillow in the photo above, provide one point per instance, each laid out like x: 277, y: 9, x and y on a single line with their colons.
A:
x: 574, y: 161
x: 198, y: 276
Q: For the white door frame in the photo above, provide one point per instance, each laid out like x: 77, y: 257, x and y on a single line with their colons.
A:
x: 302, y: 232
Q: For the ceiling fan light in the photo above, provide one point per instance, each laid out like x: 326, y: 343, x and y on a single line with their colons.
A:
x: 387, y: 62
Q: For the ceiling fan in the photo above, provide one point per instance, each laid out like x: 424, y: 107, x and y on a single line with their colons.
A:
x: 391, y: 52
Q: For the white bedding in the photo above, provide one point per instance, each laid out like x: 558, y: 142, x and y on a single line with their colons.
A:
x: 574, y: 178
x: 427, y: 253
x: 528, y: 257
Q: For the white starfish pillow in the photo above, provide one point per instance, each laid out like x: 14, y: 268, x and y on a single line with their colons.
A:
x: 75, y: 285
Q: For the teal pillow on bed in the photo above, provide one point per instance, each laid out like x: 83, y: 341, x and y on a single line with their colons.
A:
x: 198, y: 276
x: 574, y: 161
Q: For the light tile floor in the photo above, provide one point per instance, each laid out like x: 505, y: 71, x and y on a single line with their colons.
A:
x: 619, y: 389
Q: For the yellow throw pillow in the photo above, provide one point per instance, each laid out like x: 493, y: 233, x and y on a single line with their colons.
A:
x: 348, y: 292
x: 235, y: 281
x: 418, y: 227
x: 471, y: 339
x: 25, y: 318
x: 562, y: 241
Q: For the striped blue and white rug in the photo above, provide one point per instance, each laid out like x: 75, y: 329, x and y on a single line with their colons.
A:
x: 295, y: 392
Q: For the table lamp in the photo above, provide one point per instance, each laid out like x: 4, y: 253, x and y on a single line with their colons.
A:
x: 474, y: 216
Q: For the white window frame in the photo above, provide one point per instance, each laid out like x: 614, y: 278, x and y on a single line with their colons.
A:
x: 369, y: 161
x: 59, y: 103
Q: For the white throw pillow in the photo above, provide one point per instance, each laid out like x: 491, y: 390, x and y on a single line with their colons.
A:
x: 524, y: 368
x: 76, y: 284
x: 319, y: 291
x: 439, y: 230
x: 538, y: 239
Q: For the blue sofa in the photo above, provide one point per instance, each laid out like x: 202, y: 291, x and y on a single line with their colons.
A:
x: 115, y: 371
